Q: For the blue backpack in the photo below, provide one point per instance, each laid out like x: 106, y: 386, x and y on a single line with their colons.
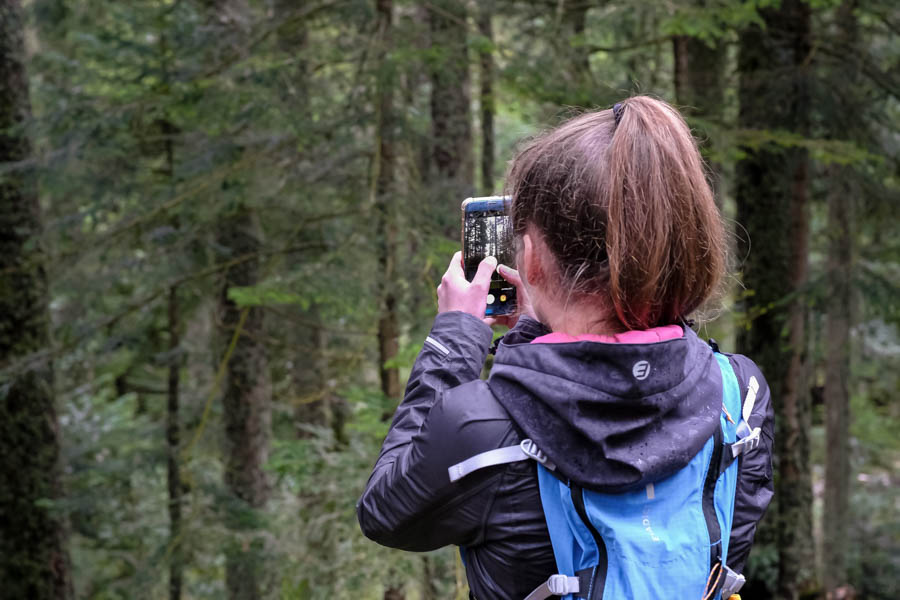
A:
x: 667, y: 540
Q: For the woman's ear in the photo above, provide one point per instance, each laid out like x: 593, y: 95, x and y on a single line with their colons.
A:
x: 530, y: 270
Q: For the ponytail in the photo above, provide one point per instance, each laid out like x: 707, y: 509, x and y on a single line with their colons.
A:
x: 622, y: 201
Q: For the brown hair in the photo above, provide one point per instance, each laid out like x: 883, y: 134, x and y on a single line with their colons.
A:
x: 625, y: 209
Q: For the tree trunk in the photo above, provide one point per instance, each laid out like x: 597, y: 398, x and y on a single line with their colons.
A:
x: 394, y: 593
x: 700, y: 88
x: 450, y: 120
x: 839, y: 319
x: 246, y: 401
x: 699, y: 76
x: 488, y: 108
x: 246, y: 397
x: 173, y: 434
x: 772, y: 205
x: 385, y: 208
x: 309, y: 376
x: 837, y: 376
x: 293, y: 38
x: 34, y: 562
x: 578, y: 58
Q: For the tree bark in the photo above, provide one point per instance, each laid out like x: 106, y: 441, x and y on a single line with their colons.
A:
x: 309, y: 376
x: 173, y: 435
x: 246, y: 396
x: 488, y: 108
x: 450, y: 119
x: 579, y: 59
x: 385, y: 208
x: 700, y: 87
x: 699, y: 76
x: 34, y: 562
x: 771, y: 195
x: 838, y: 324
x: 246, y: 401
x: 837, y: 377
x: 173, y: 427
x: 293, y: 39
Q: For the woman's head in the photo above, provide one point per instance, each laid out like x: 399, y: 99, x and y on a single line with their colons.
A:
x: 621, y: 215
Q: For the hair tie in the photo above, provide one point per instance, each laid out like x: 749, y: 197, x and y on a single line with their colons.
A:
x: 617, y: 112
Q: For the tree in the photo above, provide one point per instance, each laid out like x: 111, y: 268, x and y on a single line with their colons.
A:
x: 385, y: 202
x: 450, y: 120
x: 771, y: 191
x: 840, y: 233
x: 173, y: 440
x: 487, y: 100
x: 246, y: 397
x: 699, y: 65
x: 34, y: 562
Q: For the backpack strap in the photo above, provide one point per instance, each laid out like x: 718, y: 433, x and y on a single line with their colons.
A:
x: 525, y: 450
x: 748, y: 440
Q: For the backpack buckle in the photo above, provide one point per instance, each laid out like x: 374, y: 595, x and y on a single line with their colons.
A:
x: 560, y: 585
x: 749, y: 443
x: 733, y: 583
x: 532, y: 451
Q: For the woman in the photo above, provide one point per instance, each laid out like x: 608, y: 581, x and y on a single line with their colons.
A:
x: 619, y: 241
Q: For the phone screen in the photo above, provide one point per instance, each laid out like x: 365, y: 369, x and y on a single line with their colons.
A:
x: 487, y: 231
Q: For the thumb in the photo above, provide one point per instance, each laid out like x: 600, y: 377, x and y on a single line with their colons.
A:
x: 485, y: 269
x: 510, y: 274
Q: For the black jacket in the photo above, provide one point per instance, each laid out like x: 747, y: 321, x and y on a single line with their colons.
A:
x: 604, y: 429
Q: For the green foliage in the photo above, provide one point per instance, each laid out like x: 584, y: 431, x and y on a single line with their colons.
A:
x: 263, y: 295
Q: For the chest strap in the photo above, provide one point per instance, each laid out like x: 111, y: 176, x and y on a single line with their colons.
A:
x: 526, y: 450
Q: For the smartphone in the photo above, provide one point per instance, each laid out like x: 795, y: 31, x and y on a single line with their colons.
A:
x: 487, y: 231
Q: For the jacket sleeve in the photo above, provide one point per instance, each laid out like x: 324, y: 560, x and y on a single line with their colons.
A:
x: 409, y: 501
x: 755, y: 486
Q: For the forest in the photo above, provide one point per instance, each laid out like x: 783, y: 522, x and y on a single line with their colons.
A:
x: 222, y: 223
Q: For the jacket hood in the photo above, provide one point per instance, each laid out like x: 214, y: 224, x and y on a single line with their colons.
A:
x: 612, y: 417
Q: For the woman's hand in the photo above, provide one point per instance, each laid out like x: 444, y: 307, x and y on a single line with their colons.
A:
x: 456, y: 293
x: 523, y: 302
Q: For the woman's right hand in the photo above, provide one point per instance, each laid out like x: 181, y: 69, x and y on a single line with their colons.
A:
x: 523, y: 302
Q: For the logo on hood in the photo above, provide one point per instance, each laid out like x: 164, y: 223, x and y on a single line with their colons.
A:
x: 641, y: 370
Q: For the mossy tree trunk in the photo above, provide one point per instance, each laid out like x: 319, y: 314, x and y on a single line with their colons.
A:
x: 487, y: 100
x: 247, y: 390
x: 34, y: 563
x: 841, y: 194
x: 771, y: 190
x: 247, y: 404
x: 173, y: 445
x: 700, y: 88
x: 450, y: 119
x: 385, y: 206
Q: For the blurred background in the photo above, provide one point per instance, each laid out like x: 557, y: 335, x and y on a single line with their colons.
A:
x: 245, y: 207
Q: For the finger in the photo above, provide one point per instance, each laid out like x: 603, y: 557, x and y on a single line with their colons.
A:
x: 455, y: 269
x: 510, y: 274
x: 485, y: 269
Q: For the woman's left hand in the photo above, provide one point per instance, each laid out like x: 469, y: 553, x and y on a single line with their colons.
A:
x: 456, y: 293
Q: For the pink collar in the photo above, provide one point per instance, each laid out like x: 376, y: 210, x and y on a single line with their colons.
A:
x: 646, y: 336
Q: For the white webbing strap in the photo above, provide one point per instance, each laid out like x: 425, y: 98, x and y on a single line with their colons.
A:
x: 501, y: 456
x: 750, y: 399
x: 557, y: 585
